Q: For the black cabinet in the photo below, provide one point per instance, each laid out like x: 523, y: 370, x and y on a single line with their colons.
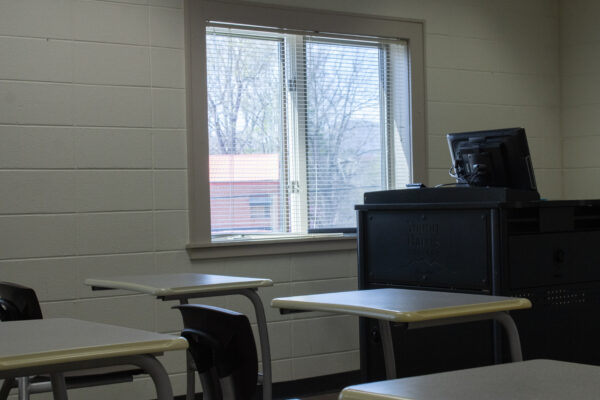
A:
x: 486, y: 241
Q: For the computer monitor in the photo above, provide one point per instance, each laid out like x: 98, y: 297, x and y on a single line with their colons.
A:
x: 492, y: 158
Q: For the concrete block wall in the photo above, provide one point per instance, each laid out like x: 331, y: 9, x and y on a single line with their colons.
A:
x: 93, y: 155
x: 580, y: 98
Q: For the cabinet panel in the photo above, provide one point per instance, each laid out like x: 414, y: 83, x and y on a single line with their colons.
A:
x: 553, y: 259
x: 434, y: 248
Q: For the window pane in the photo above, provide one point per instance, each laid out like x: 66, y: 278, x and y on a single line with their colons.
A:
x: 245, y: 130
x: 345, y: 130
x: 300, y: 127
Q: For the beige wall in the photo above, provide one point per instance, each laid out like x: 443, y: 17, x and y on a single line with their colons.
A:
x: 93, y: 154
x: 580, y: 97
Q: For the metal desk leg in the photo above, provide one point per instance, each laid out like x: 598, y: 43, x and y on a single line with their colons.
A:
x: 23, y: 383
x: 512, y: 333
x: 190, y: 393
x: 158, y: 374
x: 59, y: 388
x: 264, y: 341
x: 388, y: 349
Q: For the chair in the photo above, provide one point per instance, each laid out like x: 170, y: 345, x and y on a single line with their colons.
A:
x: 222, y: 347
x: 18, y: 303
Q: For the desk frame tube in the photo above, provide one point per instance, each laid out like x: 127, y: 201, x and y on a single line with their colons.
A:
x: 146, y: 362
x: 502, y: 317
x: 261, y: 320
x: 23, y: 386
x: 387, y: 343
x: 59, y: 387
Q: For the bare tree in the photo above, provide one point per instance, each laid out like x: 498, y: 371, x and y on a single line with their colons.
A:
x: 340, y: 137
x: 243, y: 97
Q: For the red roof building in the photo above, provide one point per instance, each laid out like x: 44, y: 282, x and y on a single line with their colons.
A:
x: 245, y: 195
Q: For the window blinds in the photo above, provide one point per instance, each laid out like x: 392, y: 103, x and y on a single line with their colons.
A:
x: 300, y: 126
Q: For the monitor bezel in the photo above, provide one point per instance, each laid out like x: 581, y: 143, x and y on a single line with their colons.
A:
x: 516, y: 157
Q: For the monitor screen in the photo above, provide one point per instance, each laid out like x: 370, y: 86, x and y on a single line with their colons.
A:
x: 492, y: 158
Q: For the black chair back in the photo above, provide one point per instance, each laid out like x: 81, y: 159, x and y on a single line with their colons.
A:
x: 222, y: 346
x: 18, y: 302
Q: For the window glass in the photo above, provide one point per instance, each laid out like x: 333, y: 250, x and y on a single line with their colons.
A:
x: 344, y: 131
x: 300, y: 126
x: 245, y: 129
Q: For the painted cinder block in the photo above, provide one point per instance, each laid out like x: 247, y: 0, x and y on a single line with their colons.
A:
x: 110, y: 22
x: 109, y: 233
x: 117, y: 106
x: 32, y: 236
x: 37, y: 192
x: 170, y: 190
x: 111, y: 64
x: 166, y: 27
x: 113, y: 148
x: 167, y: 67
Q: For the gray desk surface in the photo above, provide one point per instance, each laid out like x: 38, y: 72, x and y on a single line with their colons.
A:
x: 177, y: 284
x: 527, y: 380
x: 62, y: 340
x: 402, y: 305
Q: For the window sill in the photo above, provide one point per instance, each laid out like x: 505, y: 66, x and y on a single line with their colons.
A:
x: 306, y: 244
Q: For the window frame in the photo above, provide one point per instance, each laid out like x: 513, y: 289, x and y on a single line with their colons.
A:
x: 197, y: 13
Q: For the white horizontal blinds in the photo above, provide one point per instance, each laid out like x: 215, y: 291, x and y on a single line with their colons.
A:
x: 398, y: 95
x: 343, y: 137
x: 351, y: 106
x: 300, y: 126
x: 245, y: 126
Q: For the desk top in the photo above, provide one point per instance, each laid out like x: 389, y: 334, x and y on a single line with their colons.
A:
x: 54, y: 341
x: 402, y: 305
x: 178, y: 283
x: 531, y: 380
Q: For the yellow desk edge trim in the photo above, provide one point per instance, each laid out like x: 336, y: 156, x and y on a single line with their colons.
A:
x: 352, y: 394
x: 466, y: 310
x: 422, y: 315
x: 91, y: 353
x: 218, y: 287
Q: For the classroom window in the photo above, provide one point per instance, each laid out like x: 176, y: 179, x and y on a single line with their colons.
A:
x: 298, y: 124
x: 304, y: 119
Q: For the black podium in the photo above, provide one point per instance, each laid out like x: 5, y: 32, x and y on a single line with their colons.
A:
x: 483, y: 240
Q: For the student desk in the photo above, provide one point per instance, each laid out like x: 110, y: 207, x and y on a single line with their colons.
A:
x: 531, y: 380
x: 414, y: 309
x: 185, y: 286
x: 53, y: 346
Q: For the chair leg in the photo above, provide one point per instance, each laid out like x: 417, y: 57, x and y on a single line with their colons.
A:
x: 7, y: 385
